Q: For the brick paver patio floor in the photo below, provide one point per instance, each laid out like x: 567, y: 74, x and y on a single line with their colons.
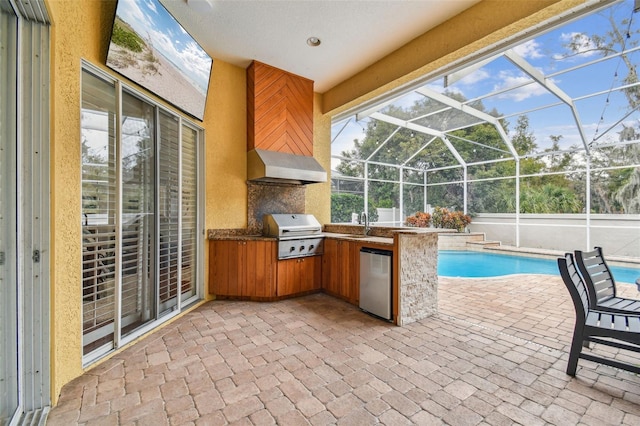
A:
x: 494, y: 354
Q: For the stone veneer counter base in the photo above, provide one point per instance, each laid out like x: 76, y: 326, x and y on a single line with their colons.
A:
x: 417, y: 276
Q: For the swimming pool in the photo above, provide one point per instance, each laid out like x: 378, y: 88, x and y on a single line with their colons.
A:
x: 472, y: 264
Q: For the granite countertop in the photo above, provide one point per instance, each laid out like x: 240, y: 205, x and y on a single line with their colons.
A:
x: 247, y: 237
x: 360, y: 237
x: 239, y: 234
x: 379, y: 231
x: 377, y: 234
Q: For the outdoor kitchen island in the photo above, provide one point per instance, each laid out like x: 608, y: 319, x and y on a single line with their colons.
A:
x: 246, y: 266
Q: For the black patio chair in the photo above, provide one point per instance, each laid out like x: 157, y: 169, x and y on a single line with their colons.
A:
x: 601, y: 285
x: 607, y: 328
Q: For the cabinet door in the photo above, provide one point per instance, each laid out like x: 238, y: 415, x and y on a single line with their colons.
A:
x: 299, y: 275
x: 340, y: 268
x: 242, y: 268
x: 352, y: 276
x: 260, y: 269
x: 330, y: 272
x: 345, y: 268
x: 288, y: 277
x: 310, y: 270
x: 226, y: 267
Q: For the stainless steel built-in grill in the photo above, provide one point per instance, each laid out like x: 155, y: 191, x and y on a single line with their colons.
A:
x: 298, y: 235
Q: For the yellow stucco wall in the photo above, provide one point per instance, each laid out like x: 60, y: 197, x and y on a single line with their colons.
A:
x: 74, y: 35
x: 226, y: 146
x: 81, y: 29
x: 318, y: 195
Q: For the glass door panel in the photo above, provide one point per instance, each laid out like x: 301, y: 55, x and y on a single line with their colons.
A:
x: 138, y: 294
x: 189, y: 212
x: 99, y: 209
x: 169, y: 212
x: 8, y: 217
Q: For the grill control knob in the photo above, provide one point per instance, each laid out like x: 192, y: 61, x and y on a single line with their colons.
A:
x: 301, y: 248
x: 292, y: 249
x: 311, y: 247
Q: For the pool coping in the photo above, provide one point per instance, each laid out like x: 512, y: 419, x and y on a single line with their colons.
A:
x: 630, y: 262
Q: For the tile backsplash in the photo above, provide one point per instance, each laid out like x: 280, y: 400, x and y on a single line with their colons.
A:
x: 269, y: 198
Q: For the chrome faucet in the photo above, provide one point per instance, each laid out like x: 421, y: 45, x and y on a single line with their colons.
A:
x: 365, y: 221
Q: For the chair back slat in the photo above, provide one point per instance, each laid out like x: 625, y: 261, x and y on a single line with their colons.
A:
x: 597, y: 275
x: 577, y: 289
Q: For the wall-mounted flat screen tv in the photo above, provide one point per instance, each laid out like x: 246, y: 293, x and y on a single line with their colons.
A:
x: 150, y: 47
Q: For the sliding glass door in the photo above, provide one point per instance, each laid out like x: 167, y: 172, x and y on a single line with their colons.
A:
x: 138, y: 218
x: 140, y: 213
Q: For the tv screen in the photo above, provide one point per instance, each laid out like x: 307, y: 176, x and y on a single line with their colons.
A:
x: 150, y: 47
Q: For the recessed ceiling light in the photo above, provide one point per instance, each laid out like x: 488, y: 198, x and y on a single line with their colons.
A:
x: 313, y: 41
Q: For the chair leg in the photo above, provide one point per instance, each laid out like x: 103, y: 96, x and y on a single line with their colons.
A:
x: 576, y: 347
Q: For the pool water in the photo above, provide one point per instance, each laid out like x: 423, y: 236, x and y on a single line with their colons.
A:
x: 477, y: 264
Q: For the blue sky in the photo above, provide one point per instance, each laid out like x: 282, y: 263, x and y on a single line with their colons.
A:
x: 151, y: 20
x: 547, y: 54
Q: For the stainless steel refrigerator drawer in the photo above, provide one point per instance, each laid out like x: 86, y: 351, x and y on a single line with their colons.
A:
x: 375, y: 282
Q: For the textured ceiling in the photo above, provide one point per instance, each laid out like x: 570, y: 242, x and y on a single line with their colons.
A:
x: 354, y: 33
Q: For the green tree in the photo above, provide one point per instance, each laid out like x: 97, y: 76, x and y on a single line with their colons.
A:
x: 343, y: 205
x: 616, y: 190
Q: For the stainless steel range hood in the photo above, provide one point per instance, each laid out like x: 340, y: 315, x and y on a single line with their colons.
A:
x: 280, y: 167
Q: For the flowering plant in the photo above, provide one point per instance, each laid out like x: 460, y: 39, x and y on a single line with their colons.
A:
x: 419, y: 220
x: 443, y: 218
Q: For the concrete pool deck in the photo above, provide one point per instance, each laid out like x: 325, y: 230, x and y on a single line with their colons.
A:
x: 494, y: 354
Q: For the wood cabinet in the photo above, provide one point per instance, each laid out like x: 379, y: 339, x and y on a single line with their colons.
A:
x: 250, y: 269
x: 242, y: 268
x: 299, y: 275
x: 340, y: 269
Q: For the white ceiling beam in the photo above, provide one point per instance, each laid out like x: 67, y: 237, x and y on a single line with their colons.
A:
x: 548, y: 84
x: 456, y: 76
x: 422, y: 148
x: 472, y: 112
x: 375, y: 151
x: 421, y: 129
x: 406, y: 124
x: 453, y: 151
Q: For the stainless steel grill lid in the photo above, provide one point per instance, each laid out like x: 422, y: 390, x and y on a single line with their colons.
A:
x: 290, y: 225
x: 298, y: 235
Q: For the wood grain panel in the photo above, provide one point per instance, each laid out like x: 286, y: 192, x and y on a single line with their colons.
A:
x: 330, y: 266
x: 279, y: 110
x: 242, y: 268
x: 286, y: 277
x: 311, y: 273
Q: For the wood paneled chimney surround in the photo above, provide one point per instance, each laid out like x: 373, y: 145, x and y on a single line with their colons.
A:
x: 279, y: 110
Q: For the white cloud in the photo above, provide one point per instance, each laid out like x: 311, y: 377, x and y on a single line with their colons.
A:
x: 134, y: 16
x: 528, y: 90
x: 475, y: 77
x: 152, y: 6
x: 529, y: 50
